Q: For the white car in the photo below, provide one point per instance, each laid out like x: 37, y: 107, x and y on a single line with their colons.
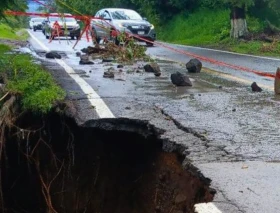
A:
x: 69, y: 26
x: 122, y: 20
x: 36, y: 23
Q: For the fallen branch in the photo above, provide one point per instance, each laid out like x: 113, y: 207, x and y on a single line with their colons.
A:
x: 4, y: 96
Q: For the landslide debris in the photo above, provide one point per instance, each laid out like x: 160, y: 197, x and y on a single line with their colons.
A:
x: 129, y: 51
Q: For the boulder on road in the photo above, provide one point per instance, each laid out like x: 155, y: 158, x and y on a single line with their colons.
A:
x: 53, y: 55
x: 180, y: 79
x: 255, y: 87
x: 194, y: 65
x: 152, y: 67
x: 108, y: 74
x: 85, y: 60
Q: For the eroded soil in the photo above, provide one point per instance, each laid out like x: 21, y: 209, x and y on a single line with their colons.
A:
x: 61, y: 167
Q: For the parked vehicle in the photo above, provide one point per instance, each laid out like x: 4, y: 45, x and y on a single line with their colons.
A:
x: 68, y: 26
x: 122, y: 20
x: 36, y: 23
x: 44, y: 23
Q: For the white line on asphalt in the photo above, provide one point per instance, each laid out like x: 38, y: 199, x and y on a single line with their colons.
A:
x: 96, y: 101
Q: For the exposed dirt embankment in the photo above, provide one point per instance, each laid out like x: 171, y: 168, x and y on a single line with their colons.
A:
x: 51, y: 165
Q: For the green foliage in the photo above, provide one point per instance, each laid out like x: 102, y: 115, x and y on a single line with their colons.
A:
x: 255, y: 25
x: 16, y: 5
x: 202, y: 27
x: 36, y: 87
x: 7, y: 32
x: 4, y: 48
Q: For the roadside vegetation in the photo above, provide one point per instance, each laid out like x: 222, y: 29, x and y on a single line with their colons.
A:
x: 245, y: 26
x: 23, y: 77
x: 211, y: 28
x: 7, y: 32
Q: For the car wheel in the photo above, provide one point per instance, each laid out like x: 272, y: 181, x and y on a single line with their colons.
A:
x: 72, y: 37
x: 34, y: 29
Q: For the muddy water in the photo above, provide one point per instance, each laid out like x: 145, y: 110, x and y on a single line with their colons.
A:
x: 65, y: 168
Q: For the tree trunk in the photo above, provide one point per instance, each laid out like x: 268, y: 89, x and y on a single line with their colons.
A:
x: 238, y: 22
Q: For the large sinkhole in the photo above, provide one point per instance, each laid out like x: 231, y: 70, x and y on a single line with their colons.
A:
x: 52, y: 165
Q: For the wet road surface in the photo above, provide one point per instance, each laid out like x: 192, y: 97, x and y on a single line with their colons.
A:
x: 234, y: 126
x: 263, y: 64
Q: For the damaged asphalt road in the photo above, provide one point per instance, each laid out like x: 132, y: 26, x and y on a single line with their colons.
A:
x: 229, y: 133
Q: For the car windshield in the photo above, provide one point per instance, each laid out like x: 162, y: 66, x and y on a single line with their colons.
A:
x: 125, y: 15
x: 64, y: 19
x: 38, y: 19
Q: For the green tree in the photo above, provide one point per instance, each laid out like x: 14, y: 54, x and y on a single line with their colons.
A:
x: 17, y: 5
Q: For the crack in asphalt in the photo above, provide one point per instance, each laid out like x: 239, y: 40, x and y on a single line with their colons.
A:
x: 228, y: 201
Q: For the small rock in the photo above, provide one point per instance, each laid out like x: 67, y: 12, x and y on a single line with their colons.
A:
x: 90, y: 71
x: 120, y: 66
x: 194, y: 65
x: 180, y: 198
x: 180, y: 79
x: 157, y: 74
x: 78, y: 54
x: 220, y: 87
x: 152, y: 67
x: 120, y: 70
x: 255, y: 87
x: 108, y: 74
x: 86, y: 62
x: 234, y: 110
x: 85, y: 59
x: 107, y: 59
x: 53, y: 55
x: 128, y: 108
x: 138, y: 71
x: 84, y: 50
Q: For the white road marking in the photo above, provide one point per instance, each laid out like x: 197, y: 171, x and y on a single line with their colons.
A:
x: 206, y: 208
x: 96, y: 101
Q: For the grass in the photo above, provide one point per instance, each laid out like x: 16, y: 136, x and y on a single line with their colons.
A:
x: 6, y: 32
x: 200, y: 28
x: 211, y: 28
x: 37, y: 89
